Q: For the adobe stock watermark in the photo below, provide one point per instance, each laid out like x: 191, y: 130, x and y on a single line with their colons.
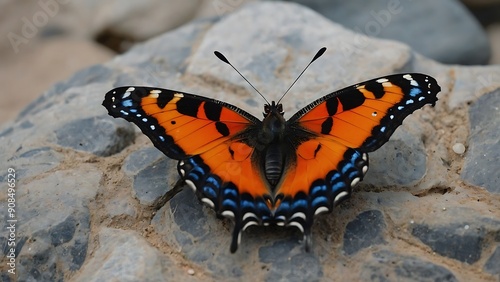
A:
x: 31, y: 26
x: 10, y: 248
x: 373, y: 27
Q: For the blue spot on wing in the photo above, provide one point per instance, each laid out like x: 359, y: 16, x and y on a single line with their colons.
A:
x: 209, y: 192
x: 320, y: 200
x: 229, y: 203
x: 415, y: 91
x: 127, y: 103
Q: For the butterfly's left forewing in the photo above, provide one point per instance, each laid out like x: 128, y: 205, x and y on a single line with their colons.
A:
x: 344, y: 126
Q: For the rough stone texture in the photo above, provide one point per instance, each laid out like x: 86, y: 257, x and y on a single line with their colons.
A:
x: 364, y: 231
x: 388, y: 266
x: 482, y: 159
x: 465, y: 41
x: 54, y: 222
x: 151, y: 170
x: 86, y: 214
x: 81, y: 135
x: 492, y: 265
x: 125, y: 255
x: 444, y: 240
x: 401, y: 161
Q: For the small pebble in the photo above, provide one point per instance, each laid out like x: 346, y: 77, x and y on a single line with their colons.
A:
x: 191, y: 271
x: 459, y: 148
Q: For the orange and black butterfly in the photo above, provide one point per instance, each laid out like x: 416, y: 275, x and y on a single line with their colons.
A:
x: 273, y: 171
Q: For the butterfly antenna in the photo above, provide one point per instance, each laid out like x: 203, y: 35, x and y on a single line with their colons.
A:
x: 223, y: 58
x: 318, y: 54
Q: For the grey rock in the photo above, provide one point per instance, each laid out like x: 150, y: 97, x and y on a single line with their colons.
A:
x: 141, y: 159
x: 442, y: 30
x: 124, y: 255
x: 401, y: 161
x: 96, y: 135
x: 388, y: 266
x: 452, y: 241
x: 152, y: 182
x: 481, y: 163
x: 366, y: 230
x: 492, y: 265
x: 57, y: 238
x: 34, y: 161
x: 416, y: 269
x: 283, y: 265
x: 94, y: 74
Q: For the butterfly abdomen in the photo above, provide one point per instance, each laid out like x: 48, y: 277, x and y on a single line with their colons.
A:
x: 273, y: 164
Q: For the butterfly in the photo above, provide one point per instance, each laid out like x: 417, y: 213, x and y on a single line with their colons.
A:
x: 273, y: 171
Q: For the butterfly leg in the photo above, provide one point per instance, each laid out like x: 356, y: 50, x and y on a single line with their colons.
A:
x: 307, y: 238
x: 179, y: 185
x: 235, y: 242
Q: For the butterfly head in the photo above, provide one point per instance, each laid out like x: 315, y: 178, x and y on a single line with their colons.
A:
x: 274, y: 122
x: 273, y: 109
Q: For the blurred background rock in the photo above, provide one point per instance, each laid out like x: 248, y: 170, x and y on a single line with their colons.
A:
x: 45, y: 41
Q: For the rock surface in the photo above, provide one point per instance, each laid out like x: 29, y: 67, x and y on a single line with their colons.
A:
x: 86, y: 205
x: 465, y: 41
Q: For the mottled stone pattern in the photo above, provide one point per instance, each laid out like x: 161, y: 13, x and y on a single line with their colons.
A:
x: 466, y: 42
x: 88, y: 185
x: 483, y: 159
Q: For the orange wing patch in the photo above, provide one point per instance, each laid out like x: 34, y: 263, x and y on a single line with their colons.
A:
x: 232, y: 163
x: 351, y: 116
x: 315, y: 159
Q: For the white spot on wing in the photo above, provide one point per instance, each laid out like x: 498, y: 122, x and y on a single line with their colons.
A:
x: 130, y: 89
x: 407, y: 77
x: 228, y: 214
x: 190, y: 184
x: 354, y: 181
x: 179, y: 95
x: 365, y: 169
x: 250, y: 223
x: 296, y: 224
x: 382, y: 80
x: 208, y: 202
x: 247, y: 215
x: 320, y: 210
x: 340, y: 196
x: 298, y: 214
